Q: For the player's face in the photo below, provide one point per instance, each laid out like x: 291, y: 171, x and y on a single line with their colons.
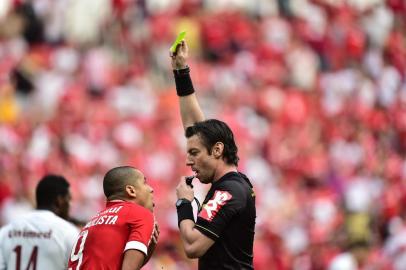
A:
x: 144, y: 193
x: 199, y: 160
x: 64, y: 205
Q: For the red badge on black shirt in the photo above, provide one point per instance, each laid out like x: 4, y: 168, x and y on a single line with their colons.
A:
x: 213, y: 206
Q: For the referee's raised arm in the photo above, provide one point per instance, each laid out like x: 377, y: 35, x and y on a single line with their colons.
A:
x: 189, y: 106
x: 228, y: 209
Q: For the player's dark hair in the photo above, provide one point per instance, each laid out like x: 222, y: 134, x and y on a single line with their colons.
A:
x: 115, y: 180
x: 49, y: 188
x: 212, y: 131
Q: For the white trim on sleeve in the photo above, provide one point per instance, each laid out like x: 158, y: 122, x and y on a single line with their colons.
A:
x: 136, y: 245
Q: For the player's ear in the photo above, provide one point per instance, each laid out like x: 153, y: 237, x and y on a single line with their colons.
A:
x: 57, y: 202
x: 218, y: 149
x: 131, y: 191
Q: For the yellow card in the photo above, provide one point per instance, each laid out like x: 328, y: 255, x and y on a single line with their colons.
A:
x: 180, y: 37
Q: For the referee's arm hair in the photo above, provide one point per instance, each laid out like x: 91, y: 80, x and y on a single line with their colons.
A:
x: 194, y: 242
x: 190, y: 110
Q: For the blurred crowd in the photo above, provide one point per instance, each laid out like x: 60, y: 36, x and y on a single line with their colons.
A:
x: 314, y: 90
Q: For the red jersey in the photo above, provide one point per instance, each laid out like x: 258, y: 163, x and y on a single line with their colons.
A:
x: 102, y: 242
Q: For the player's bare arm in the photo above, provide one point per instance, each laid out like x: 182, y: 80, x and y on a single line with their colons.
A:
x: 133, y: 260
x: 153, y: 243
x: 189, y: 106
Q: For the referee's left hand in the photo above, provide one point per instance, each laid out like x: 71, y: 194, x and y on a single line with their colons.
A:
x: 183, y: 191
x: 180, y: 56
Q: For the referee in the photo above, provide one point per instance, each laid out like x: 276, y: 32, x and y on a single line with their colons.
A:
x: 223, y: 235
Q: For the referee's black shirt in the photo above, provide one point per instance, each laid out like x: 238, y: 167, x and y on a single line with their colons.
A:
x: 228, y: 217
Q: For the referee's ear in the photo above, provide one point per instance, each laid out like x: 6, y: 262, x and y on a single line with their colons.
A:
x: 217, y: 150
x: 131, y: 191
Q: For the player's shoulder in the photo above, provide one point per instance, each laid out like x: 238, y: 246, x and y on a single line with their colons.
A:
x: 4, y: 230
x: 21, y: 221
x: 234, y: 182
x: 67, y: 225
x: 137, y: 210
x: 41, y: 220
x: 54, y: 221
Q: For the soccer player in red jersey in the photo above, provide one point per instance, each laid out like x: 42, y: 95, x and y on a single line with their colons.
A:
x: 123, y: 235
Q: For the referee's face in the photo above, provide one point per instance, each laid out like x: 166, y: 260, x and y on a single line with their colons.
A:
x: 199, y: 160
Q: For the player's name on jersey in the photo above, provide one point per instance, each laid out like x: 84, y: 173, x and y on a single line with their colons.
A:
x: 100, y: 220
x: 29, y: 234
x: 112, y: 210
x: 104, y: 218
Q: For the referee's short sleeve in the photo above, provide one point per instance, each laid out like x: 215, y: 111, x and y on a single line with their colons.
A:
x: 219, y: 210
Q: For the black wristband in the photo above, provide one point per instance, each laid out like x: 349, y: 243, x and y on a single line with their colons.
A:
x: 183, y: 82
x: 185, y: 211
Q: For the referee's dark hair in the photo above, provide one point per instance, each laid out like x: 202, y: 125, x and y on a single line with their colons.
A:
x: 49, y: 188
x: 212, y: 131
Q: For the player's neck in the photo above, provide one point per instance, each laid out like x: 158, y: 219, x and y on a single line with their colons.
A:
x: 223, y: 170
